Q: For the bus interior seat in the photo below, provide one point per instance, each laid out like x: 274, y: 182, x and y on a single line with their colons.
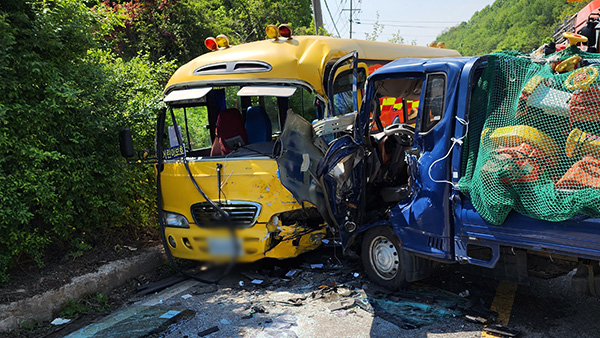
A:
x: 230, y: 132
x: 258, y: 125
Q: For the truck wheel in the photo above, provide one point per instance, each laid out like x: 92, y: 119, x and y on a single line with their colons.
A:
x: 381, y: 258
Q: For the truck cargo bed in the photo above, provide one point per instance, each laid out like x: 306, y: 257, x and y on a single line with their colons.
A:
x: 578, y: 236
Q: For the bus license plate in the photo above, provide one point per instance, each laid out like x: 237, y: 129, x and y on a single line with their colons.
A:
x: 223, y: 247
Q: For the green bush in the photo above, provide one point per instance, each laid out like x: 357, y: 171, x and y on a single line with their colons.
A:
x: 62, y: 180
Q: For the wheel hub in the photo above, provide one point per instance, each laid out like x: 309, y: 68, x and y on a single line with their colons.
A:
x: 384, y: 258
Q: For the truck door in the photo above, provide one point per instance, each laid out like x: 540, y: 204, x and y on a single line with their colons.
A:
x: 425, y: 222
x: 300, y: 148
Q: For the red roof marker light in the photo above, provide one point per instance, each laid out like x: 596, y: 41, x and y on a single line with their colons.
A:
x: 211, y: 43
x: 285, y: 31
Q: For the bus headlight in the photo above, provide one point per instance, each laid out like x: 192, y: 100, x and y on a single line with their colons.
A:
x: 176, y: 220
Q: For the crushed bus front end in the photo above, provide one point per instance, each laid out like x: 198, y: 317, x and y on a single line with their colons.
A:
x: 266, y: 219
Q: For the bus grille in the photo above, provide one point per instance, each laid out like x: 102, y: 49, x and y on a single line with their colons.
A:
x: 242, y: 214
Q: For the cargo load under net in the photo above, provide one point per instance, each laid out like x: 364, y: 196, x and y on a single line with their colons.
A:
x: 533, y: 143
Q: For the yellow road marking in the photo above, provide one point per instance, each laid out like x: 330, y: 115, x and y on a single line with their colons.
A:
x: 502, y: 304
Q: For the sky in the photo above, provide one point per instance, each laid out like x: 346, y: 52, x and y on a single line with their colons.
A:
x: 421, y: 21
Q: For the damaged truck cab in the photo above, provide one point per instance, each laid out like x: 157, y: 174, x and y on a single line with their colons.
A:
x: 219, y: 185
x: 394, y: 192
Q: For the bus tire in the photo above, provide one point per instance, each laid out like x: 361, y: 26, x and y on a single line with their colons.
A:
x: 381, y: 257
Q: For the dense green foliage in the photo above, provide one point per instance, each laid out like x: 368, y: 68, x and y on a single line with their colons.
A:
x: 176, y: 29
x: 521, y: 25
x: 74, y: 73
x: 62, y: 180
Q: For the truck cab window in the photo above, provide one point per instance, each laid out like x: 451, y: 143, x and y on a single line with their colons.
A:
x: 435, y: 97
x: 396, y: 101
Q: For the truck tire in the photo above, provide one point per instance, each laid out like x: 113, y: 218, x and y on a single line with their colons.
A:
x: 381, y: 258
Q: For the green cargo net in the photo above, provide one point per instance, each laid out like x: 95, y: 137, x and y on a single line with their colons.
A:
x: 533, y: 143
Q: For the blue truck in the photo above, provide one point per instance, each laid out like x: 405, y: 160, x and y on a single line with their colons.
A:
x: 392, y: 192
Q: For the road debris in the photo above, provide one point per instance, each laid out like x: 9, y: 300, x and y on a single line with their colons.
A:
x: 160, y: 285
x: 476, y: 319
x: 60, y: 321
x: 204, y: 288
x: 501, y: 330
x: 343, y: 304
x: 208, y: 331
x: 345, y: 292
x: 291, y: 273
x: 169, y: 314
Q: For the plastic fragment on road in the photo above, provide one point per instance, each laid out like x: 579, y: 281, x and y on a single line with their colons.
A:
x: 170, y: 314
x: 186, y: 296
x: 60, y: 321
x: 291, y: 273
x: 257, y: 281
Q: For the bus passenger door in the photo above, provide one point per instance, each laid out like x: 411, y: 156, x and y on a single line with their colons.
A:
x: 345, y: 85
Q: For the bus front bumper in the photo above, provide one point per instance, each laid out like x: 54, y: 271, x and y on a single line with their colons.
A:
x: 257, y: 242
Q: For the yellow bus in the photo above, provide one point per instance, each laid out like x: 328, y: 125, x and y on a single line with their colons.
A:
x: 218, y: 177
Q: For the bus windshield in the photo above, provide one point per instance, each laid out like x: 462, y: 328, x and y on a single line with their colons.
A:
x: 254, y: 113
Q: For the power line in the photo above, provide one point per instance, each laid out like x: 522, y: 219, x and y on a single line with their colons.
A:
x: 333, y: 21
x: 417, y: 21
x: 351, y: 10
x: 392, y: 25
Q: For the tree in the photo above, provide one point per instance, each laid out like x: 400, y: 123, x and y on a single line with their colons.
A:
x: 176, y: 29
x: 377, y: 29
x: 397, y: 38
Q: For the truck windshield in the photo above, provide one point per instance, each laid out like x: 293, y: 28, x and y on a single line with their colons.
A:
x: 396, y: 101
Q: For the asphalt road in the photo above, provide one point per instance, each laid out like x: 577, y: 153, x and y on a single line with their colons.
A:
x: 259, y: 300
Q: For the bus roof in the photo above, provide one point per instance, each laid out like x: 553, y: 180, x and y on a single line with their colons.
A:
x: 301, y: 58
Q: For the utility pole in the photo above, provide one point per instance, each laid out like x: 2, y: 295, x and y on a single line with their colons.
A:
x: 351, y: 12
x: 316, y: 4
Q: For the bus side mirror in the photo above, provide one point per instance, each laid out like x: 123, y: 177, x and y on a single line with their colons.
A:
x: 126, y: 143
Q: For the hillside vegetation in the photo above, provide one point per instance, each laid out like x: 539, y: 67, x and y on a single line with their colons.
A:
x: 521, y: 25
